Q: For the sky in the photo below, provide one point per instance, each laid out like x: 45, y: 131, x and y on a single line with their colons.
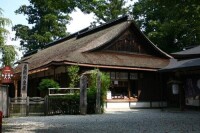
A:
x: 9, y: 6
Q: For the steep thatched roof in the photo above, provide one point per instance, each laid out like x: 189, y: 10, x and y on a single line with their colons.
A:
x: 83, y: 48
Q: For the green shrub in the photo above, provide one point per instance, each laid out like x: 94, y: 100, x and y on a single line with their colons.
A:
x: 92, y: 90
x: 47, y: 83
x: 68, y: 104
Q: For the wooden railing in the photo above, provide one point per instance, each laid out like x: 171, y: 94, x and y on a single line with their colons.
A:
x: 50, y: 105
x: 62, y: 91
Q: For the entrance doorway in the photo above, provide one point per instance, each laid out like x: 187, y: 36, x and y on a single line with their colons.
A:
x: 134, y: 88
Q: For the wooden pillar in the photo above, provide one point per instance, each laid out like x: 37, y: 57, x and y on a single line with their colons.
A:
x: 181, y: 97
x: 129, y: 86
x: 162, y: 91
x: 16, y: 87
x: 98, y: 95
x: 54, y: 73
x: 178, y: 75
x: 83, y: 95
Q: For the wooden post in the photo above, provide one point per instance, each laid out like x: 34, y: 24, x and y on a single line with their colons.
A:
x: 46, y: 104
x: 98, y: 95
x: 54, y: 73
x: 129, y: 86
x: 16, y: 87
x: 83, y: 95
x: 27, y: 106
x: 9, y: 106
x: 181, y: 97
x: 161, y: 92
x: 1, y: 116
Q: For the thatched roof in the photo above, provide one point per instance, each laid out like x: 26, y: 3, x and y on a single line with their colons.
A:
x: 83, y: 48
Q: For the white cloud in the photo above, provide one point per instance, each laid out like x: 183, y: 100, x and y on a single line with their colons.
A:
x: 80, y: 21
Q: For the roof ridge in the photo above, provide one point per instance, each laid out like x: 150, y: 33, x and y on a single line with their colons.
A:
x: 104, y: 25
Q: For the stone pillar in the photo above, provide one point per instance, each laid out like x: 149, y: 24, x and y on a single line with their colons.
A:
x: 24, y: 80
x: 83, y: 95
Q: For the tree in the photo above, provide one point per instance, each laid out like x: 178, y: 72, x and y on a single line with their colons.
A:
x: 172, y: 25
x: 8, y: 51
x: 105, y: 10
x: 48, y: 19
x: 73, y: 73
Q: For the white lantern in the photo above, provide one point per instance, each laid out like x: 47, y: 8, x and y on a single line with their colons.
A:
x: 175, y: 89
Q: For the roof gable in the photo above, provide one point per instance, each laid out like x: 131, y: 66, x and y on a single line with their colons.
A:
x: 128, y: 39
x: 127, y: 42
x: 78, y: 48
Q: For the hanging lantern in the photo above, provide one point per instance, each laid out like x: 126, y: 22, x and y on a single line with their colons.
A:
x: 175, y: 89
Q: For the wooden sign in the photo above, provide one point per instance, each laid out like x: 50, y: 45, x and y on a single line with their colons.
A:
x: 24, y: 80
x: 133, y: 76
x: 7, y: 75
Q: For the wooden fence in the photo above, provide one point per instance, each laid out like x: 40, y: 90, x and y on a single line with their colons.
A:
x: 42, y: 106
x: 27, y: 106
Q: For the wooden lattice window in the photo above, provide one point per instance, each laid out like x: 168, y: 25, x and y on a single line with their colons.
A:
x: 126, y: 44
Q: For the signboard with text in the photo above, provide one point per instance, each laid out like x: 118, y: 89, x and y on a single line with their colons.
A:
x: 7, y: 75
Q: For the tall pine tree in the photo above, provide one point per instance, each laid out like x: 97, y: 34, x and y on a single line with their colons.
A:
x: 48, y: 19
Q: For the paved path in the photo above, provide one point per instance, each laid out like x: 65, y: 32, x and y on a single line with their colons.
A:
x: 134, y: 121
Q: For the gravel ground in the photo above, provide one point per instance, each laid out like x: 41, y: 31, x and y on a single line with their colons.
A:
x: 133, y: 121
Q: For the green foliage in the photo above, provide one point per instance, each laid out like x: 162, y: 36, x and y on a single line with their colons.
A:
x: 9, y: 54
x: 47, y: 83
x: 48, y: 19
x: 68, y: 104
x: 172, y: 25
x: 8, y: 51
x: 104, y: 10
x: 73, y: 75
x: 105, y: 84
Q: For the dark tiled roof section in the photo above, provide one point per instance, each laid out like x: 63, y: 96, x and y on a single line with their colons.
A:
x: 190, y: 64
x: 189, y: 53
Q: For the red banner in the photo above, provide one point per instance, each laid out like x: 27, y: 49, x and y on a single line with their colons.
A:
x: 7, y: 75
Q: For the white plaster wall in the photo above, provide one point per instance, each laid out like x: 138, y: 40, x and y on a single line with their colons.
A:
x: 118, y: 105
x: 140, y: 105
x: 125, y: 105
